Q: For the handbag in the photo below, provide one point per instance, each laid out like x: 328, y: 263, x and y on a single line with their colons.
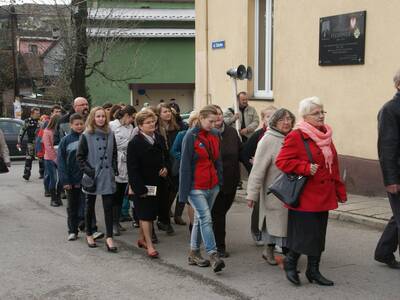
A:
x: 89, y: 183
x: 288, y: 187
x: 3, y: 166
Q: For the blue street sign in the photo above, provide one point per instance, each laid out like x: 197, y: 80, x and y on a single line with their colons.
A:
x: 218, y: 44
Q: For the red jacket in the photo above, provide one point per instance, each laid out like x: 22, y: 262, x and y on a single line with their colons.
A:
x: 323, y: 190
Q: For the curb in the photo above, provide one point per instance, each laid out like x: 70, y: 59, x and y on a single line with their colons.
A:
x: 374, y: 223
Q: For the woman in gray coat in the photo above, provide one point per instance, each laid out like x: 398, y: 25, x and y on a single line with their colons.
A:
x: 272, y: 212
x: 97, y: 156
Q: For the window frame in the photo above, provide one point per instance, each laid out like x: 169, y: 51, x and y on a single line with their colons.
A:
x: 267, y: 93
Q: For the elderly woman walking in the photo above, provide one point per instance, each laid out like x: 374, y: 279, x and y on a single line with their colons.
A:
x: 262, y: 175
x: 308, y: 222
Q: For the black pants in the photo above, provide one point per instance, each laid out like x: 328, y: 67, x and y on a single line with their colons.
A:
x: 389, y: 241
x: 108, y: 213
x: 30, y: 156
x: 118, y: 199
x: 165, y: 203
x: 222, y: 204
x: 73, y: 199
x: 255, y: 217
x: 179, y: 208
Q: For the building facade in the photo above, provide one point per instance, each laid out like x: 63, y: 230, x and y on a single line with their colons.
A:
x: 280, y: 41
x: 151, y: 52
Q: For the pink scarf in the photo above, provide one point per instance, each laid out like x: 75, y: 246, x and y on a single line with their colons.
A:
x: 323, y: 140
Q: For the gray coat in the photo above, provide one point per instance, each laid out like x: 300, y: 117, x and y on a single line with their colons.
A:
x: 97, y: 155
x: 262, y: 174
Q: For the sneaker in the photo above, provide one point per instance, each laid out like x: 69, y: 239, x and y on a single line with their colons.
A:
x: 98, y: 235
x: 217, y: 263
x: 135, y: 224
x: 72, y: 237
x: 258, y: 238
x: 195, y: 258
x: 26, y: 177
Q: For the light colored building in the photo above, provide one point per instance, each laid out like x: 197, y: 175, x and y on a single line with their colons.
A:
x: 280, y: 41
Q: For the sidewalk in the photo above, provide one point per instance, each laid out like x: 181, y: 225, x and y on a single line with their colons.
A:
x: 369, y: 211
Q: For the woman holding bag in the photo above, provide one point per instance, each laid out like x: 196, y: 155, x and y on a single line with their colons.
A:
x: 262, y: 174
x: 307, y: 223
x: 97, y: 156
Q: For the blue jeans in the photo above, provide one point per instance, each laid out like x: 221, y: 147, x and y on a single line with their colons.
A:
x: 50, y: 174
x: 202, y: 202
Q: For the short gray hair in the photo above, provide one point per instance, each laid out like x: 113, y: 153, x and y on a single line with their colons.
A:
x: 308, y: 104
x: 396, y: 78
x: 279, y: 115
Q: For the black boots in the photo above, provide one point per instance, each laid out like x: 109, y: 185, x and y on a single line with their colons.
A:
x: 290, y: 266
x: 27, y: 169
x: 55, y: 199
x: 313, y: 274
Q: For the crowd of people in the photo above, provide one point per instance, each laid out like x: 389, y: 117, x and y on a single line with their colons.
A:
x: 151, y: 158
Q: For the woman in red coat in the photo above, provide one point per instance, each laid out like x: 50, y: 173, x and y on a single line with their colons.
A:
x: 307, y: 223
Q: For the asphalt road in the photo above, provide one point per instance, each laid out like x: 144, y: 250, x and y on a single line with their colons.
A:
x: 37, y: 262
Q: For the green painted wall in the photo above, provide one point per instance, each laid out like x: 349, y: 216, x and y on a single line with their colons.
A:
x: 140, y: 4
x: 151, y: 61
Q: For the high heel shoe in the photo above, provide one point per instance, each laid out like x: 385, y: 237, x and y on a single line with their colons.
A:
x: 111, y: 249
x: 91, y: 245
x: 141, y: 244
x: 153, y: 254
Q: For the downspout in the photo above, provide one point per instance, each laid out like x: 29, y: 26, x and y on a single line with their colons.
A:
x: 208, y: 95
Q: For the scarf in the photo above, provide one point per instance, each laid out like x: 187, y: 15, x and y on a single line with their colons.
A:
x: 323, y: 140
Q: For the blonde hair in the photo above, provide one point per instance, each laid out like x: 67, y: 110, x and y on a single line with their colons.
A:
x: 193, y: 119
x: 91, y: 122
x: 143, y: 115
x: 267, y: 109
x: 308, y: 104
x: 208, y: 110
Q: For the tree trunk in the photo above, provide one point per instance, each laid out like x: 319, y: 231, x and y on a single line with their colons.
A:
x: 79, y: 18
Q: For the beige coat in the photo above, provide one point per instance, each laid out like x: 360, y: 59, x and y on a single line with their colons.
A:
x: 262, y: 175
x: 3, y: 148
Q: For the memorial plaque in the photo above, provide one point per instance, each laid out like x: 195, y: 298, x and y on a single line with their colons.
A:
x: 342, y: 39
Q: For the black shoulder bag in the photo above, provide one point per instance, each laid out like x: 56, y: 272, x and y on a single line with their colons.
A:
x: 288, y: 187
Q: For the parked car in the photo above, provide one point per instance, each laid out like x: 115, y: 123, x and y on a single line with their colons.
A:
x: 11, y: 128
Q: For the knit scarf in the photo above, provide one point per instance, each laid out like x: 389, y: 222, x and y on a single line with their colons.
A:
x: 323, y: 140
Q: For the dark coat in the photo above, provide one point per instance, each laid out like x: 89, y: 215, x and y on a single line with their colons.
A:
x: 230, y: 151
x: 389, y: 140
x: 323, y: 190
x: 249, y: 148
x: 144, y: 162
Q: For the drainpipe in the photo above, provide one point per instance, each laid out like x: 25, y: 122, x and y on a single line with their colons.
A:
x: 207, y: 73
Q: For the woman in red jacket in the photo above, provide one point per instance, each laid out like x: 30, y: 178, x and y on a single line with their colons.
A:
x: 307, y: 223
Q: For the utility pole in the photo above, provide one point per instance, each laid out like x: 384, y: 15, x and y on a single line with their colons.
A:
x: 14, y: 27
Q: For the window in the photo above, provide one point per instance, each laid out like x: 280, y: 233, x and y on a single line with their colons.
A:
x: 33, y: 49
x: 263, y: 49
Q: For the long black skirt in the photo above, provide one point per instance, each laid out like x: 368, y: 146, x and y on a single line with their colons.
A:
x: 307, y: 232
x: 146, y: 208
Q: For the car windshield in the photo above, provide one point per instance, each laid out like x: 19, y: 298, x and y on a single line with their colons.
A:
x: 10, y: 127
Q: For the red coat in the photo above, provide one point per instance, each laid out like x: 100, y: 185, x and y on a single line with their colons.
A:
x: 323, y: 190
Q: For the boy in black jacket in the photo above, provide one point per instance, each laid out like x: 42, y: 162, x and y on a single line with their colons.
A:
x: 70, y: 174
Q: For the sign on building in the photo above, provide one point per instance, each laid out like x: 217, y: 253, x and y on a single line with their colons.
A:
x: 342, y: 39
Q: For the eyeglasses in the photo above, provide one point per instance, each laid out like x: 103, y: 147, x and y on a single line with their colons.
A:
x: 286, y: 119
x: 318, y: 113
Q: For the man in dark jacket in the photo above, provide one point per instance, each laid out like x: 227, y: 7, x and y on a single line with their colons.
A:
x: 80, y: 105
x: 389, y: 158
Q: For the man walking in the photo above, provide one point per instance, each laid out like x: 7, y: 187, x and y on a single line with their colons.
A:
x: 30, y: 128
x: 389, y: 158
x: 247, y: 116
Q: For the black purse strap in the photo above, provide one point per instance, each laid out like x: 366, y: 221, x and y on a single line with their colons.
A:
x: 307, y: 146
